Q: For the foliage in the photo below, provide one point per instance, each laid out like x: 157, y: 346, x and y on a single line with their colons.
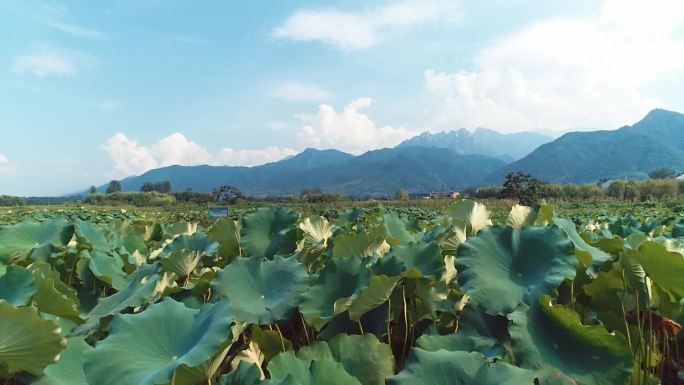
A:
x: 522, y: 186
x: 228, y: 194
x: 114, y: 186
x: 662, y: 173
x: 450, y: 294
x: 142, y: 199
x: 161, y: 187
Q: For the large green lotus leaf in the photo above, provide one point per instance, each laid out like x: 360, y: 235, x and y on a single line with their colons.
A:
x: 107, y: 268
x: 665, y: 268
x: 27, y: 342
x: 227, y: 233
x: 338, y: 284
x: 197, y: 242
x: 147, y: 347
x: 418, y: 259
x: 520, y: 216
x: 552, y: 341
x: 52, y: 295
x: 18, y: 241
x: 458, y: 368
x: 262, y: 291
x: 245, y: 374
x: 17, y: 286
x: 142, y: 285
x: 268, y: 231
x: 473, y: 214
x: 501, y: 267
x: 362, y: 356
x: 69, y: 369
x: 92, y: 237
x: 588, y: 255
x: 288, y: 369
x: 359, y: 245
x: 314, y: 241
x: 378, y: 292
x: 397, y: 231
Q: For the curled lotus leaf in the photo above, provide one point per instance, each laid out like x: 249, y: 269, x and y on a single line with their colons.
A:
x: 338, y: 284
x: 19, y: 240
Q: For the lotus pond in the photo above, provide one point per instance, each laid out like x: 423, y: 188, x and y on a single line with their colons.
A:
x: 362, y: 296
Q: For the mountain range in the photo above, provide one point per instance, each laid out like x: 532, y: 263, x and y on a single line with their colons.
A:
x: 449, y: 161
x: 482, y: 141
x: 629, y: 152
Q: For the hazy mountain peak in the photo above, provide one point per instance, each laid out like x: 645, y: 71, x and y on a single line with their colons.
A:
x: 482, y: 141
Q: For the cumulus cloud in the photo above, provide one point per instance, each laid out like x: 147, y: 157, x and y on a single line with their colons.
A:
x: 46, y: 61
x: 297, y: 91
x: 589, y: 72
x: 349, y: 130
x: 131, y: 158
x: 354, y: 30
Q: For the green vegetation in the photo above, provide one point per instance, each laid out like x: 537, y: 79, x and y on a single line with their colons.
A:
x: 418, y: 292
x: 145, y: 199
x: 161, y: 187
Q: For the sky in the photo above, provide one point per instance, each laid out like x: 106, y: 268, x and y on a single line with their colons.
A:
x: 97, y: 90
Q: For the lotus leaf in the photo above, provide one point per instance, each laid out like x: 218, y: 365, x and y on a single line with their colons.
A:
x: 501, y: 267
x: 17, y: 286
x: 147, y: 347
x: 268, y: 231
x: 262, y: 291
x: 27, y: 342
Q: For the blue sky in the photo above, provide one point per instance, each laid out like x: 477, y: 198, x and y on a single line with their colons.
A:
x: 95, y: 90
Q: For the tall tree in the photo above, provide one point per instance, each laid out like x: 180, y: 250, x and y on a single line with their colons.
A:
x: 93, y: 189
x: 522, y: 186
x: 662, y: 173
x: 228, y: 194
x: 114, y: 186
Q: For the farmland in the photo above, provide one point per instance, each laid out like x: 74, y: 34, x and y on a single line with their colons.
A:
x: 425, y: 292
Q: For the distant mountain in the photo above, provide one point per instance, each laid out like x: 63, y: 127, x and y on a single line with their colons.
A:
x: 375, y: 173
x: 482, y: 141
x: 629, y: 152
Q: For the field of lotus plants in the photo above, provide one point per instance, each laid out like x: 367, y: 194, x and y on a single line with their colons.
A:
x: 371, y: 296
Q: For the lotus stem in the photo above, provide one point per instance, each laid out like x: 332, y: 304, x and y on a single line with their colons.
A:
x: 406, y: 323
x: 389, y: 318
x: 282, y: 340
x: 360, y: 327
x: 306, y: 332
x: 624, y: 313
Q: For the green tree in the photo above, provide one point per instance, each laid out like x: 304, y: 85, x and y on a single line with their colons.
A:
x: 114, y: 186
x: 402, y: 195
x: 93, y: 189
x: 228, y: 194
x: 662, y: 173
x: 522, y: 186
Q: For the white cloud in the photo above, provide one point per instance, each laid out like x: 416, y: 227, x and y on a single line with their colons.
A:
x: 46, y: 61
x: 253, y: 157
x: 348, y: 31
x: 297, y: 91
x: 131, y: 158
x: 74, y: 30
x: 589, y: 72
x: 5, y: 166
x: 349, y: 130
